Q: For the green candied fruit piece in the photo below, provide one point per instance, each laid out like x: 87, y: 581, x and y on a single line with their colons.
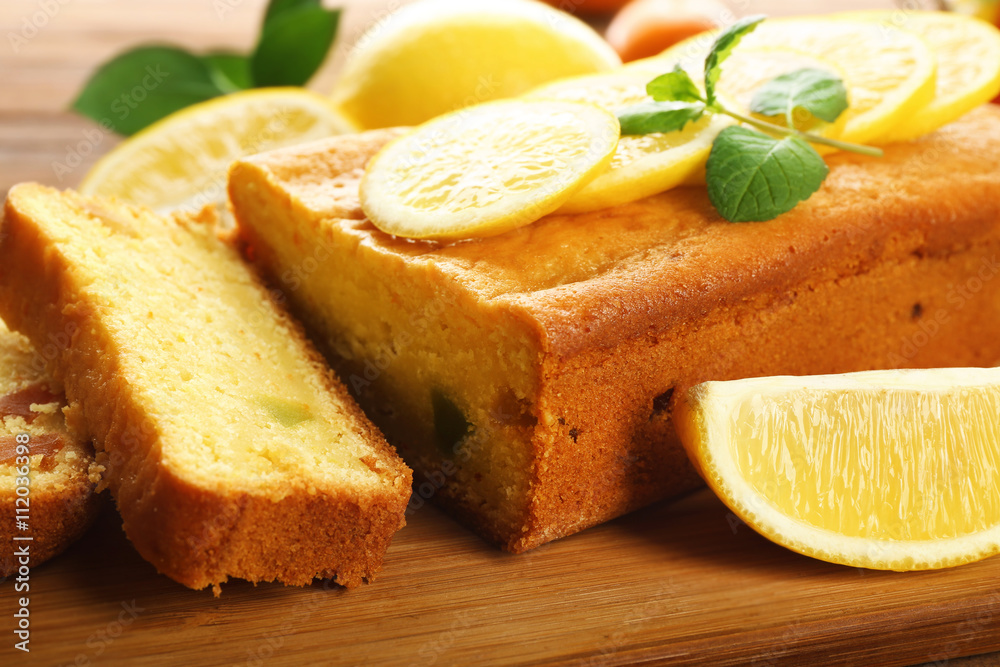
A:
x: 450, y: 423
x: 286, y: 412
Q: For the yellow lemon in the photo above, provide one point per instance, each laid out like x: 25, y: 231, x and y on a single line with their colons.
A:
x: 182, y: 160
x: 435, y: 56
x: 895, y: 470
x: 643, y: 165
x: 967, y: 51
x: 889, y: 74
x: 486, y: 169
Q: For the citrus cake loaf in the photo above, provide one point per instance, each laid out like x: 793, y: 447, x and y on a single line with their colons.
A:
x: 529, y: 377
x: 230, y: 448
x: 38, y: 454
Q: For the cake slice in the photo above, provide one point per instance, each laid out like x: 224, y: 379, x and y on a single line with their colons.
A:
x: 60, y: 502
x: 529, y: 377
x: 230, y: 448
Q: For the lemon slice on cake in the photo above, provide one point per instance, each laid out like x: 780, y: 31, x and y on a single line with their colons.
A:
x: 896, y: 470
x: 967, y: 51
x: 643, y: 165
x: 434, y: 56
x: 486, y: 169
x: 181, y: 161
x: 889, y: 74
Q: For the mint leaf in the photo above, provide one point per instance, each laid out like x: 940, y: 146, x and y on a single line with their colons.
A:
x: 230, y: 71
x: 674, y: 85
x: 753, y: 177
x: 647, y: 117
x: 293, y: 44
x: 722, y: 47
x: 143, y: 85
x: 277, y: 8
x: 816, y: 91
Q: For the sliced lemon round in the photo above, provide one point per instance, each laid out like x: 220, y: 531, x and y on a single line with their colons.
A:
x: 643, y: 165
x: 743, y: 76
x: 435, y: 56
x: 487, y: 169
x: 889, y: 74
x: 181, y: 161
x: 896, y: 470
x: 967, y: 51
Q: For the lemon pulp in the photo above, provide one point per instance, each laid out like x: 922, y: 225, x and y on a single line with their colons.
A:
x: 181, y: 161
x: 884, y: 469
x: 487, y: 169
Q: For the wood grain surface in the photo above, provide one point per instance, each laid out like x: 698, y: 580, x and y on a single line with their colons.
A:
x: 677, y: 583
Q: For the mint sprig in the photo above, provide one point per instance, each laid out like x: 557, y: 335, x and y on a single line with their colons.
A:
x: 752, y: 174
x: 721, y: 49
x: 293, y: 43
x: 674, y: 85
x: 145, y: 84
x: 813, y: 91
x: 649, y: 117
x: 756, y: 175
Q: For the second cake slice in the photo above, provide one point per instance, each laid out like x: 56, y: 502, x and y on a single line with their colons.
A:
x: 230, y: 448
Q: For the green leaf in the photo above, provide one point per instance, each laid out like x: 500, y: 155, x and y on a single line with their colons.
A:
x: 230, y: 71
x: 675, y: 85
x: 722, y: 47
x: 815, y: 91
x: 293, y: 45
x: 753, y: 177
x: 143, y: 85
x: 647, y: 117
x: 277, y: 8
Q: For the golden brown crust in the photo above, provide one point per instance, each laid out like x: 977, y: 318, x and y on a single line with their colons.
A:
x: 62, y: 503
x: 198, y: 536
x: 58, y: 518
x: 636, y: 303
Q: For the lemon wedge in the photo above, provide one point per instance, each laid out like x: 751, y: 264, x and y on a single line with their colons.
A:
x: 486, y: 169
x: 889, y: 74
x: 967, y: 51
x: 181, y: 161
x: 435, y: 56
x: 896, y: 470
x: 643, y: 165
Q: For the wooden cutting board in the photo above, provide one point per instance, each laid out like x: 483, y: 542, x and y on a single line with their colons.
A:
x: 679, y: 583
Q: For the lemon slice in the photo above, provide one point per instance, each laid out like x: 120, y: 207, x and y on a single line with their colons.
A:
x: 643, y: 165
x: 181, y: 161
x: 486, y: 169
x: 435, y: 56
x: 896, y: 470
x: 889, y: 74
x: 743, y: 76
x: 967, y: 51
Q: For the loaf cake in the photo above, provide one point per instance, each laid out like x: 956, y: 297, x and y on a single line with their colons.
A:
x: 230, y: 448
x: 56, y: 467
x: 529, y: 377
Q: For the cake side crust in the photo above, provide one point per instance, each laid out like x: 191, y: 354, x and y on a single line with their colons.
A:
x: 635, y: 302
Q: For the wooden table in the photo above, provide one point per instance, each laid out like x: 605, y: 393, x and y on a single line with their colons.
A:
x: 678, y: 583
